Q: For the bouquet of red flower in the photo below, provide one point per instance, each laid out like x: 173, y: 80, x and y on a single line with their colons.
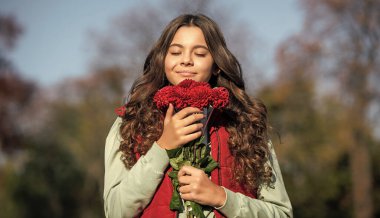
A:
x: 189, y: 93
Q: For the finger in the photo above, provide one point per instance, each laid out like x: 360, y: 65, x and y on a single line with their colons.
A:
x: 190, y: 137
x: 185, y: 189
x: 184, y: 180
x: 186, y: 170
x: 188, y: 196
x: 181, y: 173
x: 186, y: 112
x: 169, y: 112
x: 193, y: 118
x: 192, y: 128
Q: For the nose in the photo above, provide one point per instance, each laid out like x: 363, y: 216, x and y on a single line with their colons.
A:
x: 187, y: 60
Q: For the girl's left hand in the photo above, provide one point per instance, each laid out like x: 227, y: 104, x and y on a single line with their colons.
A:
x: 196, y: 186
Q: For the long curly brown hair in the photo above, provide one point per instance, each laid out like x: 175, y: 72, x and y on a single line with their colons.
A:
x: 247, y: 121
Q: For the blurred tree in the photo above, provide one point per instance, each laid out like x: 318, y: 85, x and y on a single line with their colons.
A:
x: 349, y: 32
x: 10, y: 31
x: 15, y: 92
x: 15, y: 96
x: 81, y: 113
x: 375, y: 151
x: 308, y: 125
x: 37, y: 179
x: 50, y: 184
x: 337, y: 52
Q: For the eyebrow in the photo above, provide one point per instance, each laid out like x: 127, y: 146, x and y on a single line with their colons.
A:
x: 195, y: 47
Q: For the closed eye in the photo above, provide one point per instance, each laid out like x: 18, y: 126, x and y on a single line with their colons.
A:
x: 200, y: 55
x: 175, y: 53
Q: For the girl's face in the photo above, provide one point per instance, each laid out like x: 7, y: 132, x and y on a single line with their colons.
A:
x: 188, y: 57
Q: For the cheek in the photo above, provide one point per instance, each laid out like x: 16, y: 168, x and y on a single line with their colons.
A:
x: 169, y: 64
x: 207, y: 66
x: 166, y: 64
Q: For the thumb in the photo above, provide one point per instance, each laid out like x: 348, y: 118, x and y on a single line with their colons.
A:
x: 169, y: 112
x: 185, y: 170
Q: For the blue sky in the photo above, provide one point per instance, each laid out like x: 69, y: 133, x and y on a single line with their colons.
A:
x: 55, y: 43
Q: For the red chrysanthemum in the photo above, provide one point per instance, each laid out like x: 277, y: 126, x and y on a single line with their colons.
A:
x: 190, y: 93
x: 220, y: 97
x: 120, y: 111
x: 199, y: 97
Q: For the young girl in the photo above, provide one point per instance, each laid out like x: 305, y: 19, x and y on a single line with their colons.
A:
x: 248, y: 181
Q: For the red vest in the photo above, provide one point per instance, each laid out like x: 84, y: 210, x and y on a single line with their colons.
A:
x: 159, y: 206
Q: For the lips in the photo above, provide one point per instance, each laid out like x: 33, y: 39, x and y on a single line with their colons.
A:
x: 186, y: 73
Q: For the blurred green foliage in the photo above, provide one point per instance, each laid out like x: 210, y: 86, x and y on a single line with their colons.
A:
x: 50, y: 184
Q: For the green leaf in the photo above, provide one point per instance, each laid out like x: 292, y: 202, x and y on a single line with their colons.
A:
x: 174, y: 163
x: 197, y: 210
x: 176, y: 202
x: 198, y: 142
x: 173, y: 174
x: 184, y: 163
x: 211, y: 166
x: 173, y: 152
x: 203, y: 162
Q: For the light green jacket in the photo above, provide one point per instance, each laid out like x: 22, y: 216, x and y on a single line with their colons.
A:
x: 128, y: 191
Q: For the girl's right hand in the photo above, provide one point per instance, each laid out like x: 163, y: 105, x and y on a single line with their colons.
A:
x: 180, y: 128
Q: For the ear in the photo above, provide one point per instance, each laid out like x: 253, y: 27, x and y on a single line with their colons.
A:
x: 216, y: 71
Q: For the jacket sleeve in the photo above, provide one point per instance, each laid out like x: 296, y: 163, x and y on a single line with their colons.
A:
x: 128, y: 191
x: 272, y: 201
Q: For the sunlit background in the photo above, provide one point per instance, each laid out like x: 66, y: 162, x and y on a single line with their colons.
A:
x: 65, y: 66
